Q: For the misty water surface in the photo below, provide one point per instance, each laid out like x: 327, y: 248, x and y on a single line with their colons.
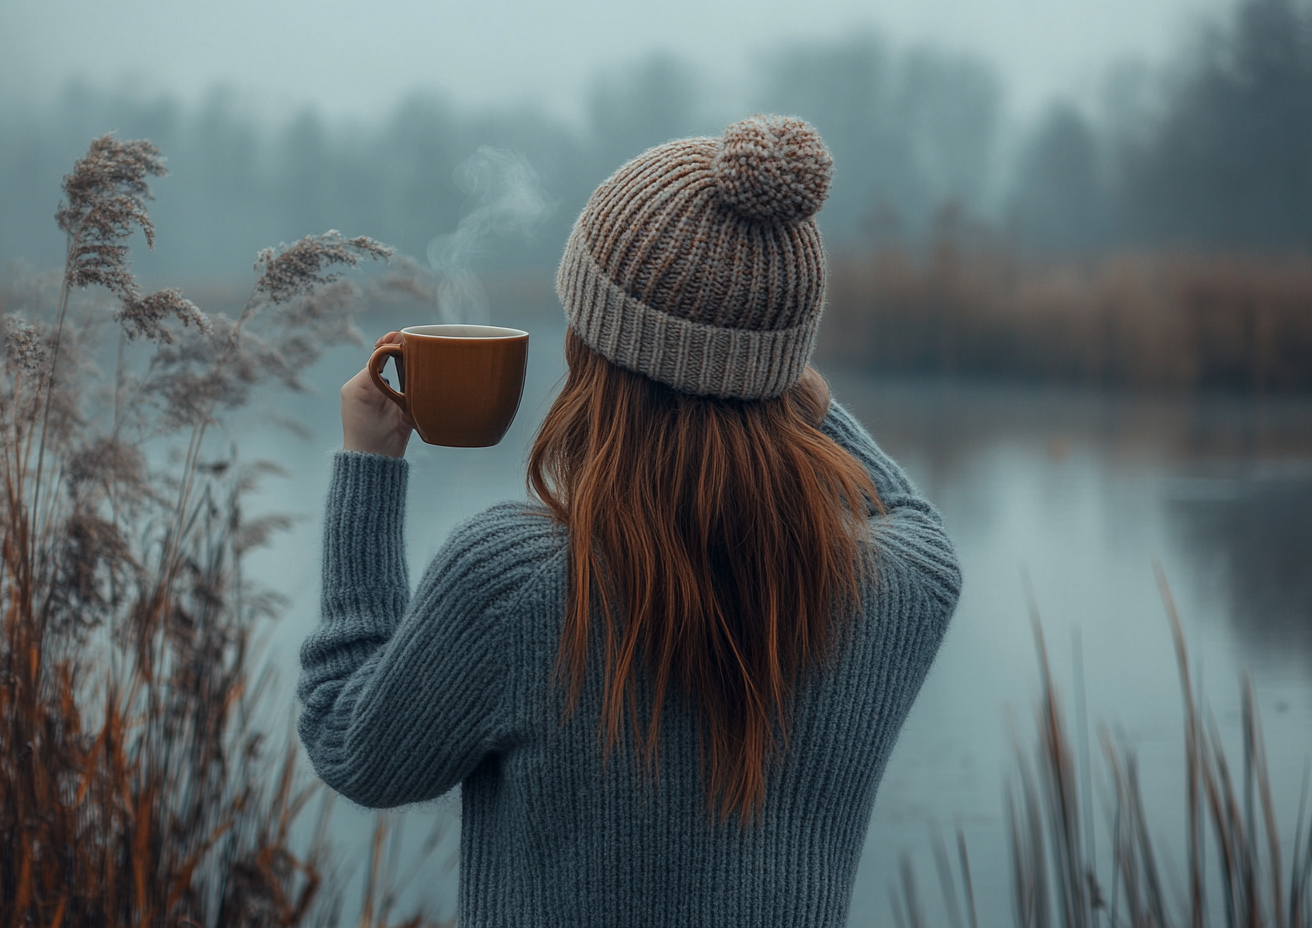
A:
x: 1080, y: 491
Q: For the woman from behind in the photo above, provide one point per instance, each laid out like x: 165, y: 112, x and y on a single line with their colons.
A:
x: 669, y: 691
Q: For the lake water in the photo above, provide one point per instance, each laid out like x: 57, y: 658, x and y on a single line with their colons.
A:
x: 1080, y: 492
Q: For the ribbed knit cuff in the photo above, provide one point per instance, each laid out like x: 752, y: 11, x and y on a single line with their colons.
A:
x: 364, y: 526
x: 690, y: 356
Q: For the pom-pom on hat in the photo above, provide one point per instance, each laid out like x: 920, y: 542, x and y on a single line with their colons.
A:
x: 699, y: 263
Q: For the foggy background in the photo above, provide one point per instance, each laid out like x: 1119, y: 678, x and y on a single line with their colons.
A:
x: 1058, y: 127
x: 1071, y: 292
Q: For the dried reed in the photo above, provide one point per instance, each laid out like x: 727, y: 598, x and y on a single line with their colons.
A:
x: 135, y: 787
x: 1055, y: 877
x: 1160, y: 321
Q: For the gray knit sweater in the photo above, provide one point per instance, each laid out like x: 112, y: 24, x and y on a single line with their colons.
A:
x: 407, y: 695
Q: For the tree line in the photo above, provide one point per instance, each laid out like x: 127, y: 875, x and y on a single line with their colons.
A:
x: 1216, y: 153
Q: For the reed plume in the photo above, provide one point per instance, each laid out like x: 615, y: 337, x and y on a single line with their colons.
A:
x: 105, y: 199
x: 135, y: 786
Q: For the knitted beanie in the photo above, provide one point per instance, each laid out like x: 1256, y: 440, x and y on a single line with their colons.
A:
x: 699, y: 263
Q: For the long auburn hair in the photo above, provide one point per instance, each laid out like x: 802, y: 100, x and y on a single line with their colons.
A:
x: 725, y: 541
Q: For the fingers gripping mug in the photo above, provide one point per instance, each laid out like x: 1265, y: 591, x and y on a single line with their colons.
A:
x: 461, y: 384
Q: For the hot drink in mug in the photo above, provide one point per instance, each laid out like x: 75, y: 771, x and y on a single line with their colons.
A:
x: 461, y: 384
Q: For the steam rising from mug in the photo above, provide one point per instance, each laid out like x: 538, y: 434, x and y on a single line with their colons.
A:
x: 508, y: 200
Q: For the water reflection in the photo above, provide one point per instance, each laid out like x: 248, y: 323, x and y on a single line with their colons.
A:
x: 1234, y: 476
x: 1253, y: 537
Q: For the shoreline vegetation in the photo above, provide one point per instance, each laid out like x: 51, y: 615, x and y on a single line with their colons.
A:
x: 1175, y: 322
x: 1234, y: 872
x: 1159, y: 321
x: 135, y: 786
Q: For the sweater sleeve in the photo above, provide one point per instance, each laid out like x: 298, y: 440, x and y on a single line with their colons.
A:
x: 403, y: 697
x: 910, y: 530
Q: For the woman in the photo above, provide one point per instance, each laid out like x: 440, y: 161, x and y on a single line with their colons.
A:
x: 668, y: 693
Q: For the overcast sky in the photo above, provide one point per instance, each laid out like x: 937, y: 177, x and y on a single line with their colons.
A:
x: 357, y: 56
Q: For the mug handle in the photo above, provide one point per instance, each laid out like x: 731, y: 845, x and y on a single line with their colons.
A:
x: 376, y: 362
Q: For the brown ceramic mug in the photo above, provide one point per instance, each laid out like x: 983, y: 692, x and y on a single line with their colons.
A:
x: 461, y: 384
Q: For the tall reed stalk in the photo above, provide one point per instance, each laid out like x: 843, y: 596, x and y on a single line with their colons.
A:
x: 1056, y: 880
x: 135, y: 785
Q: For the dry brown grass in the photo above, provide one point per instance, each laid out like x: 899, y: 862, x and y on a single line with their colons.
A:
x: 1159, y: 321
x: 135, y: 788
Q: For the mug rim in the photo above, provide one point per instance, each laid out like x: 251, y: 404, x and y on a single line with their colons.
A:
x: 491, y: 332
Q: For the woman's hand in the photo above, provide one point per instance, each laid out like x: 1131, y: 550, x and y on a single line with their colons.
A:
x: 370, y: 421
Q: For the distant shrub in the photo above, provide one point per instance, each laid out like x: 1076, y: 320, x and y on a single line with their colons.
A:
x: 1177, y: 321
